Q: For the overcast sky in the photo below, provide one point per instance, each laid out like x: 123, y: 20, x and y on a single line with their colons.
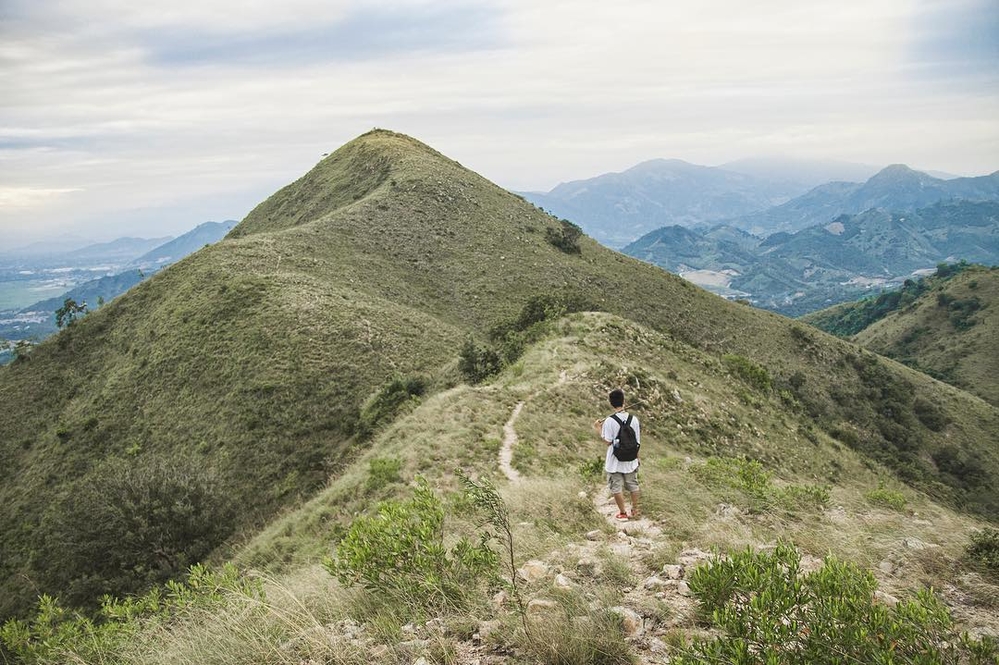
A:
x: 146, y: 118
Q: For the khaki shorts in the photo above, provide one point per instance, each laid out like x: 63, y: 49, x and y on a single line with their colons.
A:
x: 622, y: 481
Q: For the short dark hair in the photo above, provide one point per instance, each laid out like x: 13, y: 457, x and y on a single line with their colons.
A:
x: 616, y: 398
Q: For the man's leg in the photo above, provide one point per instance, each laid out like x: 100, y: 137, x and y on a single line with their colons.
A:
x: 635, y: 510
x: 615, y: 483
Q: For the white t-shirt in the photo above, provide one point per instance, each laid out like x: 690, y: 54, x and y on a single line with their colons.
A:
x: 609, y: 433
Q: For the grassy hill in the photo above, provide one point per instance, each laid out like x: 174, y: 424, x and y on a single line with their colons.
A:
x: 726, y: 464
x: 950, y: 332
x: 195, y: 408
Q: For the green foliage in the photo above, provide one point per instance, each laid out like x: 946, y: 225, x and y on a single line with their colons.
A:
x: 756, y: 484
x: 931, y: 415
x: 400, y: 553
x: 565, y: 237
x: 486, y: 499
x: 383, y: 471
x: 984, y: 549
x: 55, y: 634
x: 770, y: 613
x: 131, y: 524
x: 882, y: 496
x: 530, y: 325
x: 69, y: 312
x: 385, y: 404
x: 751, y: 373
x: 592, y: 468
x: 477, y: 363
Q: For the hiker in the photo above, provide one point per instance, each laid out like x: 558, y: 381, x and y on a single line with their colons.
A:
x: 621, y: 463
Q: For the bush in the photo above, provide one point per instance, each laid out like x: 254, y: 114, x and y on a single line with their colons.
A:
x: 770, y: 613
x: 386, y: 403
x: 749, y: 372
x: 400, y: 554
x: 130, y: 525
x: 58, y: 635
x: 476, y: 363
x: 564, y: 237
x: 886, y: 498
x: 383, y: 471
x: 984, y: 549
x: 755, y: 482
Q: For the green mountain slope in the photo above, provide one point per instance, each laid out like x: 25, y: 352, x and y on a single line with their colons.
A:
x: 230, y: 385
x: 578, y: 564
x: 950, y: 332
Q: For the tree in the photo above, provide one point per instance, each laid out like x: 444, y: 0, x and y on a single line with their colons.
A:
x: 69, y: 312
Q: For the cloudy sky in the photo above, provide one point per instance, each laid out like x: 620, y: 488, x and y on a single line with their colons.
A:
x: 146, y: 118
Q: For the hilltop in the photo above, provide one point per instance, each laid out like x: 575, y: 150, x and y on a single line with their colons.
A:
x: 239, y: 381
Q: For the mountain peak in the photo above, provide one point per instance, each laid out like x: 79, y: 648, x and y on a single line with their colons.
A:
x: 369, y: 163
x: 895, y: 173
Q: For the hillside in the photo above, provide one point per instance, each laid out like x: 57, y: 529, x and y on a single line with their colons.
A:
x: 596, y: 590
x: 950, y: 332
x: 617, y: 208
x: 895, y: 188
x: 239, y: 381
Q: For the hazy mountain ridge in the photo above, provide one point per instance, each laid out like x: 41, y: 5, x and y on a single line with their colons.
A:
x: 248, y: 364
x: 37, y: 321
x: 895, y: 188
x: 616, y: 208
x: 793, y: 272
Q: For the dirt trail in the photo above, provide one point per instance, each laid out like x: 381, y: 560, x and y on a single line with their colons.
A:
x: 510, y: 435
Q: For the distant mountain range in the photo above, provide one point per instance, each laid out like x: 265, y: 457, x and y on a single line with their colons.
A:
x: 131, y: 260
x: 799, y: 272
x: 762, y: 196
x: 897, y: 188
x: 617, y: 208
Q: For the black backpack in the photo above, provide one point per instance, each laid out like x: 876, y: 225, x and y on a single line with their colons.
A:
x: 626, y: 444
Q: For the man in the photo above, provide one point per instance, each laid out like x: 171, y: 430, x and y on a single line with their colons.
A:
x: 621, y: 475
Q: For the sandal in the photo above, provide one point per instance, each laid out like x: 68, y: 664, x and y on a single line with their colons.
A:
x: 622, y: 517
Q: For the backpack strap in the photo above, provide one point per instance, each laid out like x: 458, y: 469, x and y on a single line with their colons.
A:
x: 622, y: 422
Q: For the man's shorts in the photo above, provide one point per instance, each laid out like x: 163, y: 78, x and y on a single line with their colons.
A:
x: 622, y: 481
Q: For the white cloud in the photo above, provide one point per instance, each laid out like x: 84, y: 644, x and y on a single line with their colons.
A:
x: 99, y: 96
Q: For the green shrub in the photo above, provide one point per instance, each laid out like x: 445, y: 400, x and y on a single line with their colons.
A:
x: 751, y: 373
x: 400, y: 553
x: 984, y: 549
x: 383, y: 471
x: 385, y: 404
x: 931, y: 415
x: 129, y: 525
x: 770, y: 613
x: 886, y: 498
x: 476, y: 363
x: 55, y: 634
x: 564, y: 237
x: 756, y: 484
x: 592, y: 468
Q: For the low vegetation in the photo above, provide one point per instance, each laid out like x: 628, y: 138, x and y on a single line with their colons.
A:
x: 771, y: 612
